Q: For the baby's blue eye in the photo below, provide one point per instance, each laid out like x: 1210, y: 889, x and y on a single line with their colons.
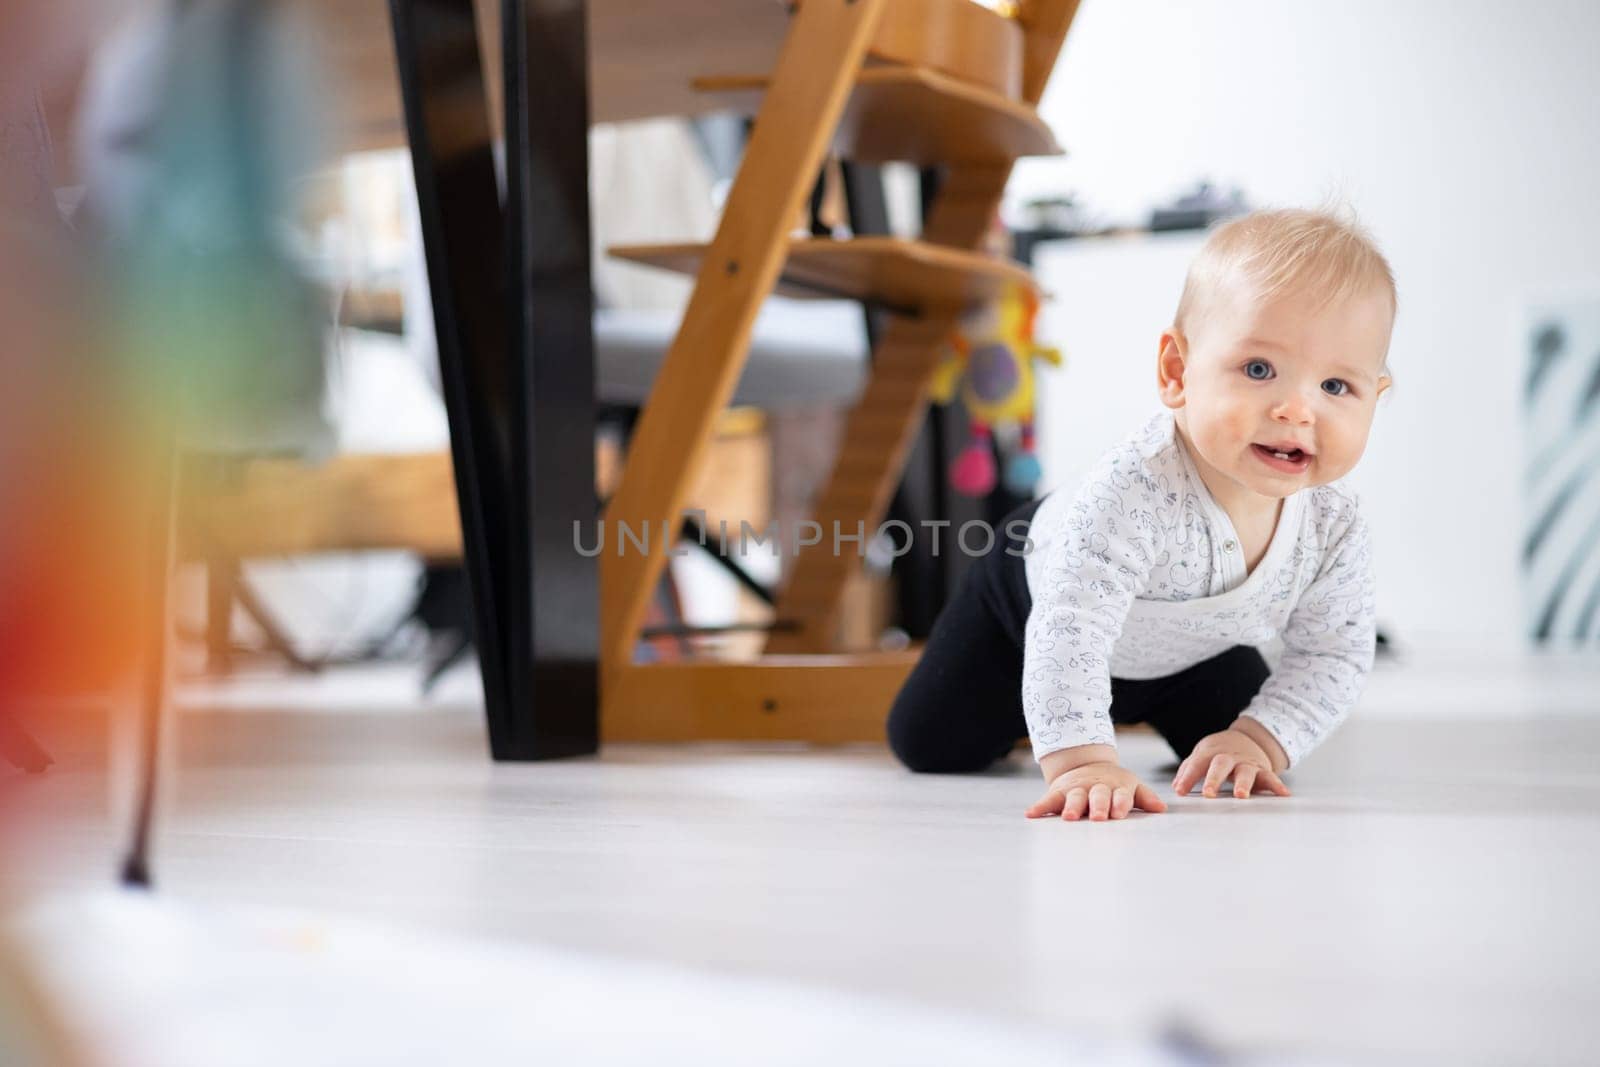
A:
x: 1249, y: 368
x: 1344, y: 387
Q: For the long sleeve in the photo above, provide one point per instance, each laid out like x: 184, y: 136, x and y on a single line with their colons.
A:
x: 1329, y: 642
x: 1092, y: 571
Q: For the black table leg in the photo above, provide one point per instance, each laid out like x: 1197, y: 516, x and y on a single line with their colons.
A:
x: 514, y: 436
x: 554, y: 639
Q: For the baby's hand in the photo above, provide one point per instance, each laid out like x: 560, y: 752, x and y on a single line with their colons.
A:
x: 1100, y: 789
x: 1220, y: 756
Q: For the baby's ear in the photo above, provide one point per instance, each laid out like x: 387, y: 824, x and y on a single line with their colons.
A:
x: 1170, y: 359
x: 1384, y: 381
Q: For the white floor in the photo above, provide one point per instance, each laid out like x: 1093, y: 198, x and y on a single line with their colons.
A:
x: 1428, y: 893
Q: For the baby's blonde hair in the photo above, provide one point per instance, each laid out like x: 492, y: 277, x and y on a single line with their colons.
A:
x: 1283, y: 251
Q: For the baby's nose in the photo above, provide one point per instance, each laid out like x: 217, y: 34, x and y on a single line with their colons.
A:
x: 1293, y: 408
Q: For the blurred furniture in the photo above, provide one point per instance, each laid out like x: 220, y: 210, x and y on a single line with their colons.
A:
x: 285, y: 507
x: 879, y: 80
x: 232, y: 512
x: 272, y: 508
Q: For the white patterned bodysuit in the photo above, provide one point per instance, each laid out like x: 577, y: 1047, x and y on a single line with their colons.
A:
x: 1141, y: 574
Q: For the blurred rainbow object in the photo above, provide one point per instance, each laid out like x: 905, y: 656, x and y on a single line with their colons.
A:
x: 64, y: 585
x: 177, y: 334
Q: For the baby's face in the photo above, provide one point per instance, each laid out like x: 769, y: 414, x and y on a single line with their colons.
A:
x: 1257, y: 377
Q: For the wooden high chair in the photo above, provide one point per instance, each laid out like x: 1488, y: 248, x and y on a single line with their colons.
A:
x: 923, y: 81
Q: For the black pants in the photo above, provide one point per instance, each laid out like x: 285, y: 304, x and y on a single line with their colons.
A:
x: 961, y: 708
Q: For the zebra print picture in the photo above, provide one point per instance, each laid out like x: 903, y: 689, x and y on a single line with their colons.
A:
x: 1561, y: 409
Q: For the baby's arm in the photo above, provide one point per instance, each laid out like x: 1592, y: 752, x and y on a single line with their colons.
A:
x: 1092, y: 571
x: 1329, y: 643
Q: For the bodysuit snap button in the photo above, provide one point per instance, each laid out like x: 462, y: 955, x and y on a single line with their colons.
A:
x: 1229, y: 545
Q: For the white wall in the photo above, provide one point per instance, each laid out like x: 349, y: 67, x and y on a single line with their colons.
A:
x: 1464, y: 135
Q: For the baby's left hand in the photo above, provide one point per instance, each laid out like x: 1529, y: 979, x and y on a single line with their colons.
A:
x: 1230, y: 753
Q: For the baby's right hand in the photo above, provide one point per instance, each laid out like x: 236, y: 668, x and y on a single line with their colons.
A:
x: 1101, y: 789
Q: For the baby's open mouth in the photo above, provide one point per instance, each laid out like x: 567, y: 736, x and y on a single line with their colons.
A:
x: 1283, y: 458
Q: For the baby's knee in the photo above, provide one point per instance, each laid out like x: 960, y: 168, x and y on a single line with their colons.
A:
x: 942, y: 762
x: 927, y: 753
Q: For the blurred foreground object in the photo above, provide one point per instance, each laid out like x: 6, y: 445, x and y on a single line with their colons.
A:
x: 52, y: 484
x: 166, y: 985
x: 30, y: 1030
x: 27, y: 214
x: 194, y: 130
x: 193, y: 133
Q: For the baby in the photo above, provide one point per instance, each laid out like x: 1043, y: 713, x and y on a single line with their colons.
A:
x: 1215, y: 527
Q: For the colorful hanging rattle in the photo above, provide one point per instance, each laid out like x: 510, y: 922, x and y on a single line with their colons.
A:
x: 992, y: 356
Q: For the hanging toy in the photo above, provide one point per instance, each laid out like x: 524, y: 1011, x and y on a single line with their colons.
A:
x: 991, y: 356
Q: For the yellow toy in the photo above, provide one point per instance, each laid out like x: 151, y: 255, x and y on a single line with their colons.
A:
x: 992, y: 356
